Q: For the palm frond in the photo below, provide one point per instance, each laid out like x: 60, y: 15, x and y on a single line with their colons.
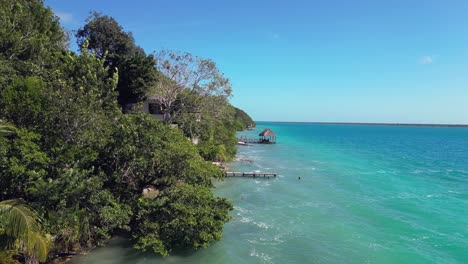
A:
x: 6, y: 128
x: 21, y: 229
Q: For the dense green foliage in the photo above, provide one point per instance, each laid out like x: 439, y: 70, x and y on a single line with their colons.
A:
x: 213, y: 125
x: 103, y: 36
x: 242, y: 119
x: 216, y: 130
x: 23, y: 102
x: 83, y: 166
x: 29, y: 36
x: 183, y: 216
x: 218, y: 140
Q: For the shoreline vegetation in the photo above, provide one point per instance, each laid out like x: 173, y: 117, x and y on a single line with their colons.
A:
x: 106, y: 141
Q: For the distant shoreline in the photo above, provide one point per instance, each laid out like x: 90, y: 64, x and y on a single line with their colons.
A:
x: 371, y: 124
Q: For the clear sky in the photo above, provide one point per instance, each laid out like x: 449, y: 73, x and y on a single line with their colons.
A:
x: 402, y: 61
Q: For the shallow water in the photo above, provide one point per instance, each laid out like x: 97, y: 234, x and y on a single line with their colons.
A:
x: 366, y: 194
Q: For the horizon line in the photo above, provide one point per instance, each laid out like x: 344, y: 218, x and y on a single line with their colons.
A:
x: 371, y: 124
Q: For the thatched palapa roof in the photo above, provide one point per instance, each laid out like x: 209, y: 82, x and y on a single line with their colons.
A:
x: 267, y: 133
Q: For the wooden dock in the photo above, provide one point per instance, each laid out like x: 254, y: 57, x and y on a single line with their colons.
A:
x: 267, y: 136
x: 250, y: 174
x: 247, y: 141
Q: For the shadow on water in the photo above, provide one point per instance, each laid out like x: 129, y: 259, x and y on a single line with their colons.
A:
x: 120, y: 250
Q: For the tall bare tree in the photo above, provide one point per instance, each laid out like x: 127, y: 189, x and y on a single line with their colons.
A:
x: 182, y: 72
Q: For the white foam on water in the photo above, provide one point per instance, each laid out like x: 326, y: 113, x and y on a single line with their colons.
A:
x: 265, y: 182
x: 318, y: 161
x: 263, y: 225
x: 266, y: 241
x: 305, y: 204
x: 278, y: 239
x: 241, y: 210
x: 245, y: 219
x: 419, y: 238
x: 432, y: 195
x: 374, y: 246
x: 252, y: 241
x: 262, y: 256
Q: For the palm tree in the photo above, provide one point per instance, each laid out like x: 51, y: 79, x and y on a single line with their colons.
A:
x: 6, y: 128
x: 20, y: 230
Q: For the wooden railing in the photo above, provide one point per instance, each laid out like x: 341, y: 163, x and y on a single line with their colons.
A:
x: 250, y: 174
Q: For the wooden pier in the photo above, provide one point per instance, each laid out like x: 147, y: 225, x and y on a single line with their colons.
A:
x: 246, y: 141
x: 250, y: 174
x: 266, y: 137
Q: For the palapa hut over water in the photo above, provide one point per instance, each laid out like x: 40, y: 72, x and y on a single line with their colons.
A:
x: 267, y: 137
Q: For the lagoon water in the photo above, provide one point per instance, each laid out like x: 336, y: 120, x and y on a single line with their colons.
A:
x: 366, y: 194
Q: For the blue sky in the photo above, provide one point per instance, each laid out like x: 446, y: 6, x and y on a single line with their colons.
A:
x: 402, y: 61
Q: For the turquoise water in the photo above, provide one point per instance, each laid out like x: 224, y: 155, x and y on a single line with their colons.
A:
x: 367, y: 194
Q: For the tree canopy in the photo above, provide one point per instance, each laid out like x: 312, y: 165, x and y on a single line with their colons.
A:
x: 242, y: 119
x: 30, y: 35
x: 184, y: 74
x: 105, y: 38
